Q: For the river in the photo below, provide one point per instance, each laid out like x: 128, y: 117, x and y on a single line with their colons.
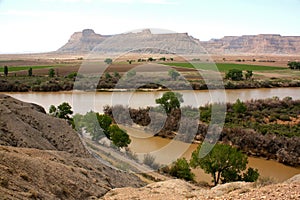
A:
x: 86, y: 101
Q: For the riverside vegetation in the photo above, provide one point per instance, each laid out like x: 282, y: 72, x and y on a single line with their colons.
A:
x: 266, y: 128
x: 54, y: 78
x: 230, y: 161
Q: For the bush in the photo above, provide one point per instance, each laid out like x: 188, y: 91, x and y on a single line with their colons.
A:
x: 30, y: 71
x: 51, y: 72
x: 181, y: 169
x: 150, y: 161
x: 108, y: 61
x: 72, y: 75
x: 239, y: 107
x: 251, y: 175
x: 234, y: 74
x: 118, y: 136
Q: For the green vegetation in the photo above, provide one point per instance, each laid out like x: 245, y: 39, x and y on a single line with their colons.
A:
x: 294, y: 65
x: 51, y: 73
x: 170, y: 101
x: 224, y: 163
x: 118, y: 136
x: 30, y: 71
x: 224, y: 67
x: 268, y: 116
x: 62, y: 111
x: 234, y: 74
x: 248, y: 74
x: 5, y: 70
x: 99, y: 126
x: 181, y: 169
x: 108, y: 61
x: 24, y: 68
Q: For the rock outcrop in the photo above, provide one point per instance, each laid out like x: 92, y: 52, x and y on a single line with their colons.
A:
x: 254, y: 44
x: 83, y: 41
x: 178, y: 189
x: 180, y: 43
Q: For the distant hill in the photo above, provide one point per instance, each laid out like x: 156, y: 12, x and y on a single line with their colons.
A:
x: 258, y: 44
x: 180, y: 43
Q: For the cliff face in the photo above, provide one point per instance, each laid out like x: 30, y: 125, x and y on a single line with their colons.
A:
x: 82, y: 41
x: 180, y: 43
x: 143, y: 41
x: 259, y: 44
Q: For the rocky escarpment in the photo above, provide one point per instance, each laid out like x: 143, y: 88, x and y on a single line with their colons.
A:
x: 254, y: 44
x: 42, y: 157
x: 140, y: 41
x: 83, y: 41
x: 180, y: 43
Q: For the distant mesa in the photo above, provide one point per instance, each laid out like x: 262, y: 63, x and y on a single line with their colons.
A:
x: 179, y: 43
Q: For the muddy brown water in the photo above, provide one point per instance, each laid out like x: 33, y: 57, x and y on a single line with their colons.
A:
x: 166, y: 150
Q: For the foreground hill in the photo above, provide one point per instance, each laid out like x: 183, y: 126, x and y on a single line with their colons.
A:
x: 180, y: 43
x: 41, y: 157
x: 178, y: 189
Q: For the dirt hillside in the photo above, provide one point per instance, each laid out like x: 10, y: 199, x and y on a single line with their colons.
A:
x: 41, y: 157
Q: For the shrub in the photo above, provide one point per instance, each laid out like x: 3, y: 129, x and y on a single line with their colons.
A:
x: 150, y: 161
x: 234, y: 74
x: 51, y: 73
x: 108, y: 61
x: 181, y: 169
x: 72, y: 75
x: 251, y: 175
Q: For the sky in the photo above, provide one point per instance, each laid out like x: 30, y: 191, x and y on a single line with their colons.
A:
x: 45, y: 25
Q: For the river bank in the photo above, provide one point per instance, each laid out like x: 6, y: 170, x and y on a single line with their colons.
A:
x: 55, y: 84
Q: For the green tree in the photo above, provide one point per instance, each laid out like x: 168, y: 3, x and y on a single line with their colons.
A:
x: 170, y: 101
x: 150, y: 59
x: 92, y: 126
x: 239, y: 107
x: 30, y: 71
x: 5, y: 70
x: 162, y: 58
x: 234, y: 74
x: 108, y: 61
x: 248, y: 74
x: 222, y: 161
x: 173, y: 74
x: 62, y: 111
x: 181, y: 169
x: 294, y: 65
x: 118, y: 136
x: 104, y: 122
x: 51, y: 72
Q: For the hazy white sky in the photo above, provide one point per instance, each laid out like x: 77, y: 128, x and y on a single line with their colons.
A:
x: 45, y: 25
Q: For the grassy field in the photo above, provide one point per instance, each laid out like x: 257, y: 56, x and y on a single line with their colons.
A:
x: 21, y: 68
x: 223, y: 67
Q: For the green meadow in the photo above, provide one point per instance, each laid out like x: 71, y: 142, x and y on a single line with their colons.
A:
x: 223, y: 67
x: 21, y: 68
